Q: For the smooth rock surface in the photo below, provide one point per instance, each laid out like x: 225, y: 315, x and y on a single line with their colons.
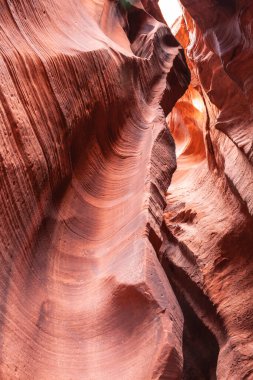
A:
x: 86, y: 159
x: 208, y: 255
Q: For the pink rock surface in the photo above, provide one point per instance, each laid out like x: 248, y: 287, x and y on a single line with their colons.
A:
x: 208, y: 256
x: 85, y: 161
x: 104, y: 276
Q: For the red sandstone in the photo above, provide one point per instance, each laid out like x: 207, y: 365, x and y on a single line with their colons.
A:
x: 110, y: 270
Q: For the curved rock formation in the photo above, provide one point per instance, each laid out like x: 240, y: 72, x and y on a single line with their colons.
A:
x: 103, y: 274
x: 85, y: 161
x: 209, y: 214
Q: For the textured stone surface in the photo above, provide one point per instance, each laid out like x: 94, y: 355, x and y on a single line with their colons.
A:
x: 85, y: 161
x: 102, y: 276
x: 208, y: 256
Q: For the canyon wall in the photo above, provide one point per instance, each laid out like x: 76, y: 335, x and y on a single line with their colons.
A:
x: 86, y: 158
x: 208, y: 256
x: 113, y: 267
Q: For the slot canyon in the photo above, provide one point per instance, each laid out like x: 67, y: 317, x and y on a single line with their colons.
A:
x: 126, y: 187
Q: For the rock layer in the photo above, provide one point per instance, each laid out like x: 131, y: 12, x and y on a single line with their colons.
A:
x: 85, y: 161
x: 102, y: 277
x: 209, y: 221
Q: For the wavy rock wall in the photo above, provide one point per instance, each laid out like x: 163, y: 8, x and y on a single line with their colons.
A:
x: 208, y: 253
x: 85, y: 161
x: 102, y: 277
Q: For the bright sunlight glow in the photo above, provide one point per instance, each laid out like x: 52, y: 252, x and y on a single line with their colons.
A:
x: 199, y: 104
x: 171, y: 10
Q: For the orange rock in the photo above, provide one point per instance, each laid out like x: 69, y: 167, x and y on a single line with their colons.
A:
x: 207, y: 256
x: 86, y: 159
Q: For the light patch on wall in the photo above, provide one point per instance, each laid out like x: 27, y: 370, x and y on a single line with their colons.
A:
x: 199, y: 104
x: 171, y: 10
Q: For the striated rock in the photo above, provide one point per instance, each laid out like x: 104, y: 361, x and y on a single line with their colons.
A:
x: 104, y: 275
x: 85, y: 162
x: 208, y: 253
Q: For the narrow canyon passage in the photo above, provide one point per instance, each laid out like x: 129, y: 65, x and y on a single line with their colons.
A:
x: 207, y: 252
x: 126, y: 229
